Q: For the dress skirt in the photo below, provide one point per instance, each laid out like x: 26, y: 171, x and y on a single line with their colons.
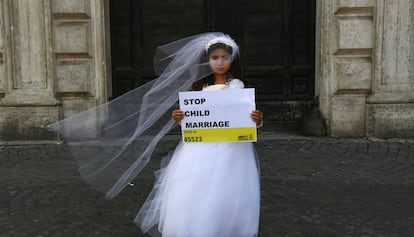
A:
x: 206, y: 190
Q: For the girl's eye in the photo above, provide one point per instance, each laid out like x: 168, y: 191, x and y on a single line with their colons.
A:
x: 226, y: 58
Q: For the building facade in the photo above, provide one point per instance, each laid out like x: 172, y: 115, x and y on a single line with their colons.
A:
x: 366, y: 84
x: 55, y: 61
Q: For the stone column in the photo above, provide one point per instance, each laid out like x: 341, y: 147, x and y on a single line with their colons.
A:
x: 347, y: 38
x: 391, y: 105
x: 30, y: 62
x: 53, y: 63
x: 80, y: 43
x: 27, y: 99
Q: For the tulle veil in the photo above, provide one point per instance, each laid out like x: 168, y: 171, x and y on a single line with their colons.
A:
x: 113, y: 142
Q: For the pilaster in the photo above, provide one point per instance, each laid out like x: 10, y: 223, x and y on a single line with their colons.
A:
x: 52, y: 63
x: 27, y: 101
x: 390, y: 110
x: 28, y: 57
x: 347, y: 39
x: 80, y: 45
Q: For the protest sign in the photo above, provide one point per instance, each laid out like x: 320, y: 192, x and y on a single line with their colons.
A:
x: 218, y: 116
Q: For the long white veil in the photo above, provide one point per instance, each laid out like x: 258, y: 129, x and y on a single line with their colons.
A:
x: 114, y: 141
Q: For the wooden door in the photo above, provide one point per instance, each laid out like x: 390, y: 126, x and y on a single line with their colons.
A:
x: 277, y: 46
x: 276, y: 39
x: 138, y: 27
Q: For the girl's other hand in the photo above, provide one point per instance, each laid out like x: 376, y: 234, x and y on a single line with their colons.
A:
x: 177, y: 115
x: 257, y: 117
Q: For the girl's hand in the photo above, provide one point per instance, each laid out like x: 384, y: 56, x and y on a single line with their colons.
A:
x: 177, y: 115
x: 257, y: 117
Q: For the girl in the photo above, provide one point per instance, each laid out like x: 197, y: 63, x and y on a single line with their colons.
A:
x: 208, y: 189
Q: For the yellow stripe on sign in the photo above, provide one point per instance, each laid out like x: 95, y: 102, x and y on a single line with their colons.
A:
x: 220, y: 135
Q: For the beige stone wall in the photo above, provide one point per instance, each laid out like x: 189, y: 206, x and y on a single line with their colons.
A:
x: 347, y: 36
x: 79, y: 44
x: 52, y: 63
x: 366, y: 57
x: 27, y: 101
x: 390, y: 107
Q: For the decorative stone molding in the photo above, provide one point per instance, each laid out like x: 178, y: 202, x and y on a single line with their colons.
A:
x: 29, y: 44
x: 27, y: 58
x: 347, y: 39
x: 73, y: 46
x: 2, y: 70
x: 325, y: 78
x: 80, y: 53
x: 354, y: 3
x: 394, y: 62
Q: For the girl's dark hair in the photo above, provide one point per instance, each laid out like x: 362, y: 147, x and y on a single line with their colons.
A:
x: 235, y: 69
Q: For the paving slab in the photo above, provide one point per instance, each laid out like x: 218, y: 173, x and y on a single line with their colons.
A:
x: 310, y: 187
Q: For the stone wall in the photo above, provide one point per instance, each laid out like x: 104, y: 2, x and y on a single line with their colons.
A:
x: 52, y: 63
x: 366, y: 68
x: 390, y: 107
x: 79, y: 47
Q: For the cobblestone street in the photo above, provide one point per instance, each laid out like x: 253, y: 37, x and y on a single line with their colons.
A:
x: 310, y: 187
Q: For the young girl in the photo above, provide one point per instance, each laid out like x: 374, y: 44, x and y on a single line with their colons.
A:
x: 208, y: 189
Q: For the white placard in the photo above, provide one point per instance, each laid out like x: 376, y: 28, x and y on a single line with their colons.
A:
x: 218, y: 116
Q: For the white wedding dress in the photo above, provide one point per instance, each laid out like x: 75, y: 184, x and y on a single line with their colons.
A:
x: 206, y: 190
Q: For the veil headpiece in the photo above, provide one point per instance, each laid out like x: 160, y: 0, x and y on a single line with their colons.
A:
x: 114, y: 141
x: 223, y: 40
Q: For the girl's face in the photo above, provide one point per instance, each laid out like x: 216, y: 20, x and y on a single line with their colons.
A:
x: 220, y: 61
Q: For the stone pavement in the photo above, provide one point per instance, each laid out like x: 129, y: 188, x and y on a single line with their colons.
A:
x: 310, y: 187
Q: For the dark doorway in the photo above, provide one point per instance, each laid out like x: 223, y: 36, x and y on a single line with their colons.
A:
x: 276, y: 38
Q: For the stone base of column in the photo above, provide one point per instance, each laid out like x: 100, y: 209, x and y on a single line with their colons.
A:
x: 391, y: 115
x: 28, y: 121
